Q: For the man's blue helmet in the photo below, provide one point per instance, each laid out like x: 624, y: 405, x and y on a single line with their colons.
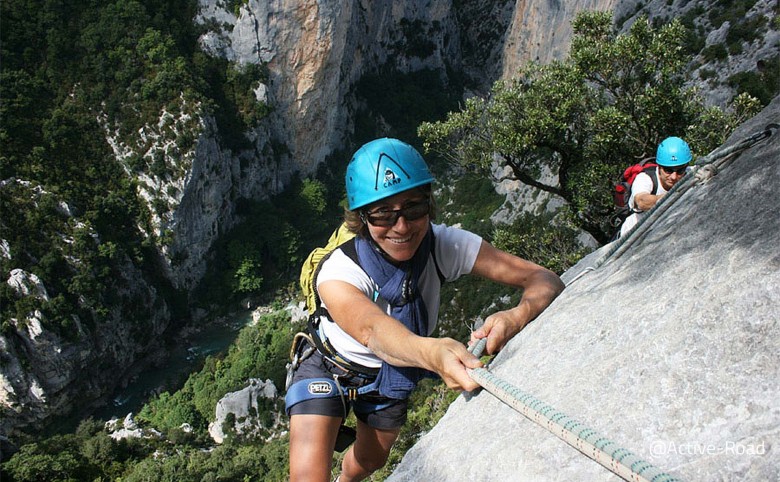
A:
x: 383, y: 168
x: 673, y: 151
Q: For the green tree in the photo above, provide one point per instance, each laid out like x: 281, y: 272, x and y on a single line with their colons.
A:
x: 244, y: 258
x: 585, y: 118
x: 539, y: 239
x: 247, y: 276
x: 56, y: 459
x: 100, y: 450
x: 314, y: 195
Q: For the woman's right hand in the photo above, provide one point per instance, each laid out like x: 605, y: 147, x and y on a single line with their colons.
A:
x: 450, y: 359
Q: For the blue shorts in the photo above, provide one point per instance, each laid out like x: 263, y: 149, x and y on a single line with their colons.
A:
x: 365, y: 406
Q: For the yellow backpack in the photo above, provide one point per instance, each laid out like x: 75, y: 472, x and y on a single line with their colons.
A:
x: 310, y: 265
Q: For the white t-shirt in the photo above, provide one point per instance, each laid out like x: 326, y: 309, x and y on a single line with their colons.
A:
x: 456, y: 251
x: 642, y: 184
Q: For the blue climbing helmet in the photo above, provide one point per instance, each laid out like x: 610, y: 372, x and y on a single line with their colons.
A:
x: 673, y: 151
x: 383, y: 168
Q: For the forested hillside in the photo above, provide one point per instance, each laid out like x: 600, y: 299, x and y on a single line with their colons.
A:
x: 87, y: 234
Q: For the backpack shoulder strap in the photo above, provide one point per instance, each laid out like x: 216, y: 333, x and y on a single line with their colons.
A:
x: 650, y: 168
x: 435, y: 261
x: 653, y: 173
x: 348, y: 247
x: 351, y: 251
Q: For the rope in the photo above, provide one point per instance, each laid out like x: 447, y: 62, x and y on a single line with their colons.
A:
x: 610, y: 455
x: 703, y: 170
x: 618, y: 460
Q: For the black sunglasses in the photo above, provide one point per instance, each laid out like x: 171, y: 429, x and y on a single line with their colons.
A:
x: 386, y: 218
x: 672, y: 170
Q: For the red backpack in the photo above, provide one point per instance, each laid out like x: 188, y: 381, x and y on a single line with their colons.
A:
x: 622, y: 190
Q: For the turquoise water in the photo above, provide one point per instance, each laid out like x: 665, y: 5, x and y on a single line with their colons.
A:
x: 182, y: 361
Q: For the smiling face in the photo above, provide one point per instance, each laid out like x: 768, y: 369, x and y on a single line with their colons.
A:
x: 401, y: 240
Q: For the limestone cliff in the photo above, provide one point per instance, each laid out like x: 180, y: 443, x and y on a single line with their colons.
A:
x: 669, y: 350
x: 316, y: 51
x: 541, y: 31
x: 47, y: 369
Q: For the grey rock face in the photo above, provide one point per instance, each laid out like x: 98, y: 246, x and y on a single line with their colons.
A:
x: 244, y: 406
x: 541, y: 32
x: 316, y: 52
x: 42, y: 372
x: 711, y: 75
x: 670, y: 350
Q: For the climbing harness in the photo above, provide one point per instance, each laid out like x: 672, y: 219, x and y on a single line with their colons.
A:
x: 702, y: 170
x: 604, y: 451
x: 297, y: 355
x: 303, y: 346
x: 313, y: 388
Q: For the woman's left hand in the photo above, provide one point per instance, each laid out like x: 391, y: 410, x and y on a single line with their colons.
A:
x: 498, y: 328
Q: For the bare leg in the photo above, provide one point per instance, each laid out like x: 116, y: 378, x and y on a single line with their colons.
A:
x: 312, y: 438
x: 368, y: 454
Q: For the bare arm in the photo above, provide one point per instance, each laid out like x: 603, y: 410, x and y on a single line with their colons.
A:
x: 644, y: 201
x: 540, y: 287
x: 391, y: 341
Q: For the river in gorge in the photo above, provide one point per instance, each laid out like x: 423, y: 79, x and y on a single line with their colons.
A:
x: 169, y: 374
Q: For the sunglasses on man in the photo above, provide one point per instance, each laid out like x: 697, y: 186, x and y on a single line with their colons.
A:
x: 672, y: 170
x: 388, y: 217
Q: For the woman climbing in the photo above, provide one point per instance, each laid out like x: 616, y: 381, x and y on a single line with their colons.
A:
x: 370, y: 341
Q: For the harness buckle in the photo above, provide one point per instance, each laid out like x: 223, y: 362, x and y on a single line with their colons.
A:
x: 296, y: 356
x: 352, y: 393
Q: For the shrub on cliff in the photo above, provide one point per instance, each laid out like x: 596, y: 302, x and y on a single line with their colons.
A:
x: 587, y: 117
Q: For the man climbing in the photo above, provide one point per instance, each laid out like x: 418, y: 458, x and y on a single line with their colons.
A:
x: 672, y: 156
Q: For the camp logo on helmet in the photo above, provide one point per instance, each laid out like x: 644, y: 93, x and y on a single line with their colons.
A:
x: 390, y: 178
x: 382, y: 168
x: 319, y: 388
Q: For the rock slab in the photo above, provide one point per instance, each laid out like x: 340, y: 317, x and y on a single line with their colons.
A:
x: 671, y: 350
